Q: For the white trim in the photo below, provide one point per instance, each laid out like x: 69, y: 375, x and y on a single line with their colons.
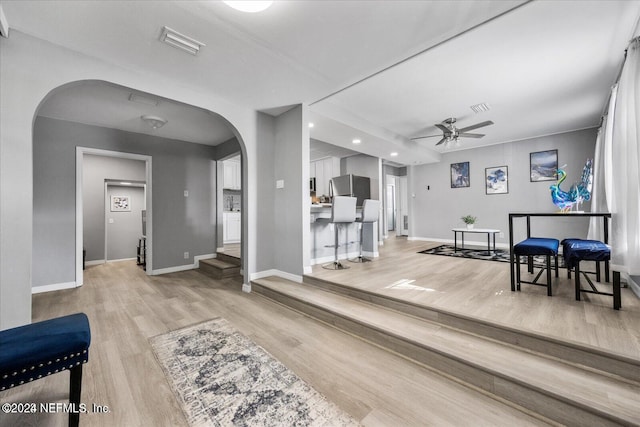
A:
x: 307, y: 270
x: 174, y: 269
x: 80, y: 152
x: 220, y: 249
x: 635, y: 287
x: 275, y: 272
x: 94, y: 262
x: 54, y: 287
x: 246, y: 288
x: 197, y: 258
x: 121, y: 259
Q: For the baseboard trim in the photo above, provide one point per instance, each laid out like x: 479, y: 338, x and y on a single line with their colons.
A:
x: 94, y: 262
x: 308, y: 270
x: 220, y: 249
x: 54, y: 287
x: 246, y: 287
x: 121, y: 259
x: 173, y: 269
x: 197, y: 258
x: 275, y: 272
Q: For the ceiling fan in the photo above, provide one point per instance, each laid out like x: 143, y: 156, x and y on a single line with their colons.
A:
x: 452, y: 133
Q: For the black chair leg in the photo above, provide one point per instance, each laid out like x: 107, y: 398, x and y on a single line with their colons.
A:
x: 549, y: 274
x: 617, y: 299
x: 556, y: 260
x: 577, y: 272
x: 518, y: 272
x: 75, y: 388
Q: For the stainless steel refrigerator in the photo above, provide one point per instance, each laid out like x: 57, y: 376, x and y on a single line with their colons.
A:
x: 351, y: 185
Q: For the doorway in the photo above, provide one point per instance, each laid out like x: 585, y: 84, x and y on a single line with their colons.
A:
x: 124, y: 206
x: 81, y: 156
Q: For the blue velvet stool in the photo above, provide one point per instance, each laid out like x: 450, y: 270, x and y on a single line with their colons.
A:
x: 537, y: 246
x: 34, y: 351
x: 576, y: 250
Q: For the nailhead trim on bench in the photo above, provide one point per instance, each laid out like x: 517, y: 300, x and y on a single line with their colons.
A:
x: 5, y: 376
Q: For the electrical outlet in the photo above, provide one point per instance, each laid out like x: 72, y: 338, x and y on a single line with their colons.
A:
x: 186, y: 255
x: 501, y: 235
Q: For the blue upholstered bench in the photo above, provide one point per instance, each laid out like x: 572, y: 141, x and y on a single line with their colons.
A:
x: 34, y: 351
x: 576, y: 250
x: 537, y: 246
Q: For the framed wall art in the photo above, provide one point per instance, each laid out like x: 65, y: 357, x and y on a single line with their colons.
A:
x: 543, y: 166
x: 120, y: 204
x: 497, y: 180
x: 460, y: 175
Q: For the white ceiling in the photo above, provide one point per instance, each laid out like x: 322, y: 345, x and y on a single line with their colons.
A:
x: 544, y: 67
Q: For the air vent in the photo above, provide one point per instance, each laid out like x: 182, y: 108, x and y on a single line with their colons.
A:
x: 133, y: 97
x: 175, y: 39
x: 480, y: 108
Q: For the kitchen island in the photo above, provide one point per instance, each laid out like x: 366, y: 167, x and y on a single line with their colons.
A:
x: 322, y: 235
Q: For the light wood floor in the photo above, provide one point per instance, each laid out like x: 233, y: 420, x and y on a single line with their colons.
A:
x: 482, y: 289
x: 126, y: 307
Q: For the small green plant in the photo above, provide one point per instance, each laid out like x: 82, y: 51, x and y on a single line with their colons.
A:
x: 468, y: 219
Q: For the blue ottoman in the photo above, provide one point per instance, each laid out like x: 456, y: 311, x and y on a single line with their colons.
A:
x: 34, y: 351
x: 576, y: 250
x: 537, y: 246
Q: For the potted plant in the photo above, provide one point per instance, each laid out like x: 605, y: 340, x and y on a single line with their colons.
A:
x: 469, y: 220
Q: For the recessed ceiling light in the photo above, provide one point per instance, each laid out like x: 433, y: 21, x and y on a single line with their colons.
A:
x: 125, y: 183
x: 250, y: 6
x: 311, y: 125
x: 356, y: 141
x: 394, y: 154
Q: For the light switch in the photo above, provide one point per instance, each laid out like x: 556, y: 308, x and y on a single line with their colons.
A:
x: 280, y: 183
x: 186, y: 193
x: 110, y: 220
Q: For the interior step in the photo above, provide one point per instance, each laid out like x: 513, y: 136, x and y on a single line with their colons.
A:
x: 228, y: 258
x: 564, y: 392
x: 571, y: 352
x: 218, y: 268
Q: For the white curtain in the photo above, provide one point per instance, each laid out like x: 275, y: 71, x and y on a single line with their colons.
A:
x: 602, y: 170
x: 624, y: 197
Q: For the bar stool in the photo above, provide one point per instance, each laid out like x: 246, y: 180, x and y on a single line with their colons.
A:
x: 343, y: 212
x: 537, y: 246
x: 370, y: 212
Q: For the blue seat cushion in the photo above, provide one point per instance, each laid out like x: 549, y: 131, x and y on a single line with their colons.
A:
x: 43, y: 348
x: 537, y: 246
x: 575, y: 250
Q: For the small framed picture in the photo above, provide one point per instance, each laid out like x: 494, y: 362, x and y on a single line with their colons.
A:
x: 543, y: 165
x: 120, y: 204
x: 497, y: 180
x: 460, y: 175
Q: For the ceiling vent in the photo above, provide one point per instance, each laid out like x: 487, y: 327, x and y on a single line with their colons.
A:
x: 175, y: 39
x: 480, y: 108
x: 134, y: 97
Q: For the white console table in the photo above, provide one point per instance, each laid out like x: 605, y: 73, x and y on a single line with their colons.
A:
x: 488, y: 231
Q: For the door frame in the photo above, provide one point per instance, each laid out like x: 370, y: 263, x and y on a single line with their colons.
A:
x: 80, y: 152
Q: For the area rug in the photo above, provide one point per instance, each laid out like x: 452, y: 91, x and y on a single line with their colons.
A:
x: 501, y: 255
x: 222, y: 378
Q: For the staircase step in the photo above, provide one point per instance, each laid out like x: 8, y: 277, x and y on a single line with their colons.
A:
x: 228, y: 258
x: 560, y: 391
x: 571, y: 352
x: 219, y: 269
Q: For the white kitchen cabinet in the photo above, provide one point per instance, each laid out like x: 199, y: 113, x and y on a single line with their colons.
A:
x: 231, y: 227
x: 232, y: 176
x: 323, y: 170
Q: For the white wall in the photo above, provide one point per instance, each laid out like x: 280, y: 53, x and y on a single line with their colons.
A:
x: 436, y: 211
x: 30, y: 70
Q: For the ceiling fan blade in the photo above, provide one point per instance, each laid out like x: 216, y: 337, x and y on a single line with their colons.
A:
x: 476, y: 126
x: 443, y: 128
x: 427, y: 136
x: 470, y: 135
x: 441, y: 141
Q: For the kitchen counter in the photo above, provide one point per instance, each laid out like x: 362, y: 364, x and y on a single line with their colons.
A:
x: 322, y: 235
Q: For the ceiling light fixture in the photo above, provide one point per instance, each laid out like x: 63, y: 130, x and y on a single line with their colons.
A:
x: 356, y: 141
x: 125, y: 183
x: 394, y: 154
x: 133, y: 97
x: 311, y: 125
x: 182, y: 42
x: 250, y: 6
x: 154, y: 121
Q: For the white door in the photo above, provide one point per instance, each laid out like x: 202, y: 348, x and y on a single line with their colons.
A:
x: 402, y: 203
x: 391, y: 207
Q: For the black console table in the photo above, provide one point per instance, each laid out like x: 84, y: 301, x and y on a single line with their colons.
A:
x: 604, y: 215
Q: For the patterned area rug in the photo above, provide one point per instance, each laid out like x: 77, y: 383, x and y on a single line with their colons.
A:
x: 500, y: 255
x: 222, y: 378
